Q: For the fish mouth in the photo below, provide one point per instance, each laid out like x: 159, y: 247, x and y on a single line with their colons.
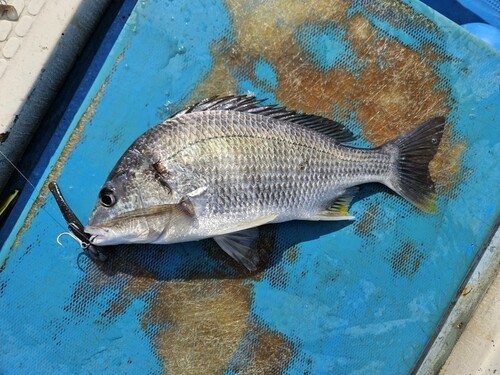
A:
x: 99, y: 235
x: 103, y: 236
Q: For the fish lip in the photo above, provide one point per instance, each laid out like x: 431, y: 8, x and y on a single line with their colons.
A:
x: 97, y: 234
x: 94, y: 239
x: 102, y: 236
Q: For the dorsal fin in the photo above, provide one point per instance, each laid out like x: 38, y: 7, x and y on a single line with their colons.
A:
x: 245, y: 103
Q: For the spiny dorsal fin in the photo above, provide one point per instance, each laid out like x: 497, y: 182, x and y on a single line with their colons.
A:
x: 250, y: 104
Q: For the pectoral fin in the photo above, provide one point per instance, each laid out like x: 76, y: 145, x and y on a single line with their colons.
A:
x: 194, y: 202
x: 239, y: 245
x: 339, y: 210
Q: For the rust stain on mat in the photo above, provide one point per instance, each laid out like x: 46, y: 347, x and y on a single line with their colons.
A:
x: 406, y: 260
x: 264, y: 28
x: 260, y: 34
x: 446, y: 168
x: 202, y: 322
x: 365, y: 226
x: 399, y: 15
x: 395, y: 89
x: 196, y: 324
x: 263, y: 351
x: 271, y: 354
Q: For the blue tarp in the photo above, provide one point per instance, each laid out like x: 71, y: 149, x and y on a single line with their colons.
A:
x: 355, y: 297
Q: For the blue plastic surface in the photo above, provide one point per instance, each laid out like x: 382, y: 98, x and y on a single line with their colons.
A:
x: 489, y: 10
x: 454, y: 11
x: 488, y: 33
x: 361, y: 297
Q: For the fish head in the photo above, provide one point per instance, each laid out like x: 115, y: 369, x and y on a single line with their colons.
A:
x: 135, y: 205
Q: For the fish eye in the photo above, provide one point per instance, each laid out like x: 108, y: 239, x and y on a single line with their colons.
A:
x: 107, y: 197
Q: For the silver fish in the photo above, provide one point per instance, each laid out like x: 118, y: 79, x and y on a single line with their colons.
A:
x: 227, y: 165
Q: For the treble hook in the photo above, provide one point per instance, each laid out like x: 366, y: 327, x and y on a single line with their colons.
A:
x: 76, y: 227
x: 58, y: 239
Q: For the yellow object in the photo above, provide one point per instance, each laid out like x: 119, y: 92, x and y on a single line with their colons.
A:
x: 9, y: 202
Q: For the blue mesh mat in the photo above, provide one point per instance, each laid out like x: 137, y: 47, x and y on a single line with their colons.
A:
x: 355, y: 297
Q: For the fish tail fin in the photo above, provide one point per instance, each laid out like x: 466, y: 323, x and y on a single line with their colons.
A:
x: 412, y: 153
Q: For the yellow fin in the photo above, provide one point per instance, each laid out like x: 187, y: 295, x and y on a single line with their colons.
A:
x: 339, y: 210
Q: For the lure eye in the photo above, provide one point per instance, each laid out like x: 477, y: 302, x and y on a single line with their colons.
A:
x: 107, y: 197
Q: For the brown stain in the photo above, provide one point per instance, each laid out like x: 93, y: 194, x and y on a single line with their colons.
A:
x: 195, y: 325
x: 117, y: 307
x: 446, y: 167
x: 406, y: 260
x: 366, y: 224
x: 292, y: 255
x: 400, y: 15
x: 396, y: 90
x: 4, y: 136
x: 400, y: 89
x: 265, y: 352
x: 220, y: 80
x: 315, y: 91
x: 202, y: 322
x: 265, y: 28
x: 271, y: 352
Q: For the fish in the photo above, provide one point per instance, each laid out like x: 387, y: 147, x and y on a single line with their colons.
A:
x: 227, y: 165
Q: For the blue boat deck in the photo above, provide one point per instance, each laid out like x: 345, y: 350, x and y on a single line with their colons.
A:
x: 356, y: 297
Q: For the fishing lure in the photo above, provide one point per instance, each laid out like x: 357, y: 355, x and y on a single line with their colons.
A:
x: 76, y: 227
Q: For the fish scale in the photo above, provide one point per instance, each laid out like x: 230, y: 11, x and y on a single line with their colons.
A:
x: 227, y: 165
x: 274, y: 155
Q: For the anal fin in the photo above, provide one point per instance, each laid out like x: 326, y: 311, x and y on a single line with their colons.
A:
x: 339, y: 210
